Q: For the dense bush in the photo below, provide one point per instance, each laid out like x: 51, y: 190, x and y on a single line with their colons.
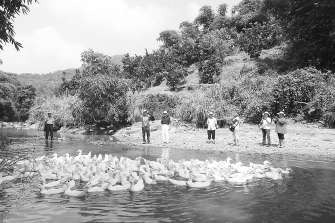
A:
x: 208, y: 70
x: 258, y: 37
x: 15, y: 98
x: 63, y: 109
x: 102, y: 90
x: 103, y: 100
x: 157, y: 103
x: 195, y: 108
x: 296, y: 91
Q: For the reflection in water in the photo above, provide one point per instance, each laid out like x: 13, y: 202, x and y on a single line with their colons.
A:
x: 48, y: 145
x: 307, y: 196
x: 165, y: 153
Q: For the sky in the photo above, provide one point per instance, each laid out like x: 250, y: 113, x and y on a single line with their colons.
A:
x: 54, y: 33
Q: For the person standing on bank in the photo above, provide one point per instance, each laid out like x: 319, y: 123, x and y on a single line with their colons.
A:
x: 265, y: 126
x: 146, y: 127
x: 165, y: 121
x: 49, y: 126
x: 281, y: 128
x: 211, y: 127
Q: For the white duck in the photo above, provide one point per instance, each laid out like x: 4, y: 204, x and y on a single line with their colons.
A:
x: 95, y: 189
x: 51, y: 191
x: 198, y: 184
x: 147, y: 179
x: 178, y: 182
x: 73, y: 193
x: 138, y: 186
x: 52, y: 183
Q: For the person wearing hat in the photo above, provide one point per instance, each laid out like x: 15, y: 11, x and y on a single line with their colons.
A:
x: 265, y: 126
x: 146, y: 127
x: 165, y: 121
x: 211, y: 127
x: 281, y: 127
x: 49, y: 126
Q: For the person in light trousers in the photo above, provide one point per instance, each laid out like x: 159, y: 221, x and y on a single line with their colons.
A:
x: 165, y: 121
x: 265, y: 126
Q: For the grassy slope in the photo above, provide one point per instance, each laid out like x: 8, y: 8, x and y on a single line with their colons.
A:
x: 236, y: 65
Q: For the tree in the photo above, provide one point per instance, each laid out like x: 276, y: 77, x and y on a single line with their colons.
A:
x: 175, y: 76
x: 260, y: 36
x: 24, y: 100
x: 98, y: 63
x: 248, y: 12
x: 104, y: 100
x: 8, y: 11
x: 310, y: 28
x: 222, y: 10
x: 102, y: 91
x: 295, y: 90
x: 189, y: 30
x: 205, y: 17
x: 16, y: 99
x: 208, y: 70
x: 169, y: 38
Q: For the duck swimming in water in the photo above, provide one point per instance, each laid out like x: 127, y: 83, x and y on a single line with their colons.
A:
x: 51, y: 191
x: 138, y: 186
x: 178, y: 182
x: 121, y: 173
x: 198, y: 184
x: 73, y: 193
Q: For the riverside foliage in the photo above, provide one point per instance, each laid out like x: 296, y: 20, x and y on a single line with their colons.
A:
x: 15, y: 98
x: 297, y: 82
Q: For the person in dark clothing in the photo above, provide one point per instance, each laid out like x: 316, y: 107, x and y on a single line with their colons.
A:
x: 49, y: 126
x: 165, y: 121
x: 146, y: 127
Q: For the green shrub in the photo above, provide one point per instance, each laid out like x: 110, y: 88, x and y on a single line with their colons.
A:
x: 302, y: 91
x: 64, y: 110
x: 194, y: 109
x: 208, y: 70
x: 175, y: 77
x: 256, y: 96
x: 157, y: 103
x: 329, y: 117
x: 104, y: 100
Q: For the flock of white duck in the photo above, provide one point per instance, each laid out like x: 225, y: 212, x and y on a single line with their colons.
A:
x: 63, y: 174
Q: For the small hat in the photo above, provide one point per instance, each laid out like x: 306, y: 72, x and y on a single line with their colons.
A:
x: 144, y: 110
x: 281, y: 113
x: 210, y: 113
x: 164, y: 112
x: 266, y: 113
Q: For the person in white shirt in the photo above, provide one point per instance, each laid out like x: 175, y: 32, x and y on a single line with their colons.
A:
x: 211, y: 127
x: 165, y: 121
x: 49, y: 126
x: 265, y: 126
x: 235, y: 128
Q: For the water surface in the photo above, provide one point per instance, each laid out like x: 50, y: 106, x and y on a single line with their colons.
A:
x: 308, y: 195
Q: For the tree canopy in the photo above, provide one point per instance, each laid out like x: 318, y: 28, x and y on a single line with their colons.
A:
x: 8, y: 11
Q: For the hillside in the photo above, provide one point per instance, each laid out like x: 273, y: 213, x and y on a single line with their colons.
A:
x: 45, y: 84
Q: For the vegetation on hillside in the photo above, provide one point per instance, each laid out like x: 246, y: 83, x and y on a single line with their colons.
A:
x: 299, y: 80
x: 15, y: 98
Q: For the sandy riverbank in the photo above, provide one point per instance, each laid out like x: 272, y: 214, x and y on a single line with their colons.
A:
x: 301, y: 139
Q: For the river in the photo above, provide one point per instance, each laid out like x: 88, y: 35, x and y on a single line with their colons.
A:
x: 308, y: 195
